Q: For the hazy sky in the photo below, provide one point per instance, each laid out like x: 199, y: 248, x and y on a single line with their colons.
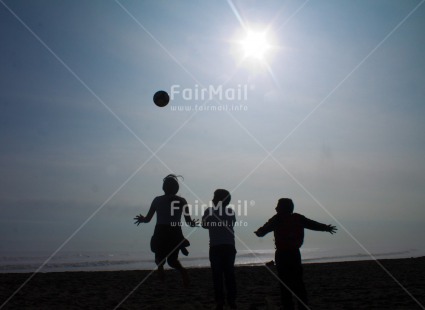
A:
x: 338, y: 99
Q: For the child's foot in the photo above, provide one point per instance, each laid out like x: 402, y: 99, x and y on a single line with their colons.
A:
x: 184, y: 251
x: 183, y: 247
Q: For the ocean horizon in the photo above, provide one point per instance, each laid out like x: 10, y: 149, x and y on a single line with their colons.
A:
x: 37, y: 261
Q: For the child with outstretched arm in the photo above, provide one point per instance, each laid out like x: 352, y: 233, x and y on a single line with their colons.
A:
x: 288, y: 228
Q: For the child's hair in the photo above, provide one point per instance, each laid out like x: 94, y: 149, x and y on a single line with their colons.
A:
x: 171, y: 184
x: 223, y: 196
x: 285, y: 205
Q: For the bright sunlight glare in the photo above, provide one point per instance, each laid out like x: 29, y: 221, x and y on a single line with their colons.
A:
x: 255, y: 45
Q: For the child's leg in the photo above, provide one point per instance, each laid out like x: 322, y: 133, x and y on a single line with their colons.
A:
x: 160, y: 261
x: 217, y: 273
x: 299, y: 287
x: 174, y: 262
x: 285, y: 280
x: 160, y: 257
x: 229, y: 274
x: 290, y: 272
x: 296, y: 276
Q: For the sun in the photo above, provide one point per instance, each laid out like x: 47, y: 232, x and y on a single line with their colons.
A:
x: 255, y: 45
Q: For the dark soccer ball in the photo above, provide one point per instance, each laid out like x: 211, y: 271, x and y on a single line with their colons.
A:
x: 161, y: 98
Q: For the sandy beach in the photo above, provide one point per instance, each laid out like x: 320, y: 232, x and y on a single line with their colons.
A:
x: 345, y: 285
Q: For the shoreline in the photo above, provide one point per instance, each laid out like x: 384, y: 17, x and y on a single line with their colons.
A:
x: 335, y: 285
x: 136, y: 264
x: 262, y: 264
x: 68, y: 261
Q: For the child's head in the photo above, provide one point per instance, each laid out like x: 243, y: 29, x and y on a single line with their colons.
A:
x: 285, y: 205
x: 221, y: 198
x: 171, y: 184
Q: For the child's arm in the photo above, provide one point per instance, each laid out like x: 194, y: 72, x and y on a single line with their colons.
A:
x: 268, y: 227
x: 146, y: 219
x: 188, y: 219
x: 233, y: 219
x: 331, y: 229
x: 313, y: 225
x: 207, y: 218
x: 151, y: 212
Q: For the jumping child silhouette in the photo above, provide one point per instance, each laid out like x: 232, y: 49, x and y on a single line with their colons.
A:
x: 168, y: 237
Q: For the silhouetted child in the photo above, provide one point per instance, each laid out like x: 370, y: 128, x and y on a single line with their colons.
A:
x: 168, y: 237
x: 288, y: 228
x: 220, y: 220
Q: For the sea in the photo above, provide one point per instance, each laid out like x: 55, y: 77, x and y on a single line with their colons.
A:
x: 64, y: 261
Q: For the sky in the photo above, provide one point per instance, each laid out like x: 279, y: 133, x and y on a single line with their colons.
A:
x: 331, y: 116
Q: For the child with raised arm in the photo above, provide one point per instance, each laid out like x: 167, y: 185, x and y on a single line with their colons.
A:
x: 288, y: 228
x: 168, y: 238
x: 220, y: 220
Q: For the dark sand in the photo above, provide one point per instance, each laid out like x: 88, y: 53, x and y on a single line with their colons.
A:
x: 346, y: 285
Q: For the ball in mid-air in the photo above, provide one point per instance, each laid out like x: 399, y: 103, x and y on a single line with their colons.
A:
x: 161, y: 98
